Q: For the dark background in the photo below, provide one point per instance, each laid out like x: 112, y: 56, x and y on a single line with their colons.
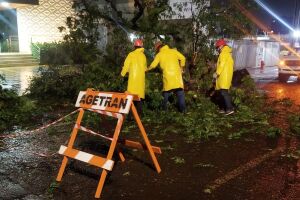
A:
x: 288, y: 10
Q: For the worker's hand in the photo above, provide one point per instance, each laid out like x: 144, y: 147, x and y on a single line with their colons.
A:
x: 215, y: 76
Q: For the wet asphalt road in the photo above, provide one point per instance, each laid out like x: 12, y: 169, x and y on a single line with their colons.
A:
x: 278, y: 177
x: 282, y: 90
x: 267, y: 80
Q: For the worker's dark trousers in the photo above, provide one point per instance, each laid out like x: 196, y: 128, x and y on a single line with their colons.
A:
x: 226, y: 100
x: 180, y: 99
x: 138, y: 105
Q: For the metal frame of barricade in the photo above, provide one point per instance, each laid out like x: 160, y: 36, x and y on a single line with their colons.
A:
x: 106, y: 163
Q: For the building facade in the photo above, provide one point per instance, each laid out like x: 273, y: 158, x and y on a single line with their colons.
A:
x: 33, y: 21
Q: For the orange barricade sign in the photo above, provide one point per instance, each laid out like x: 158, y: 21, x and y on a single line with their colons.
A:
x: 111, y: 104
x: 114, y: 102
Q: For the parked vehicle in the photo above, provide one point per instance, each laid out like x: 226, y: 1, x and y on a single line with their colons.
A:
x: 288, y: 66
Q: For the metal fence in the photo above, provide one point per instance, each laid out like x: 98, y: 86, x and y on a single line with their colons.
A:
x: 248, y: 53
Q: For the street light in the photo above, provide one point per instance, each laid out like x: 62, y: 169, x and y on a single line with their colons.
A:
x: 132, y: 37
x: 296, y: 34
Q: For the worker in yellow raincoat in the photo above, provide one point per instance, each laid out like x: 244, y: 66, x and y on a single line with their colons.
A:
x: 172, y: 63
x: 136, y: 64
x: 223, y: 76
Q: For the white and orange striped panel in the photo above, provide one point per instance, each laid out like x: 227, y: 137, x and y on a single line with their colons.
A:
x: 86, y: 157
x: 111, y: 114
x: 106, y: 101
x: 77, y: 126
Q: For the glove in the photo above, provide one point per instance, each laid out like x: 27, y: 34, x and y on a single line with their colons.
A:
x: 215, y: 76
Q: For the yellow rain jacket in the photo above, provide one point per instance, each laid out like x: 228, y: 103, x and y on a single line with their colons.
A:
x: 224, y: 69
x: 135, y: 64
x: 171, y: 62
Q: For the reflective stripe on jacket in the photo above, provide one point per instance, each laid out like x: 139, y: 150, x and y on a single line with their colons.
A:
x: 135, y: 64
x: 224, y: 69
x: 171, y: 62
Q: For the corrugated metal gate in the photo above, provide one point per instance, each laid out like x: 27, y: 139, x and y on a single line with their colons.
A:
x: 247, y: 53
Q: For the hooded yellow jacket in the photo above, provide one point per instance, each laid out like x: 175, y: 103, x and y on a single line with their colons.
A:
x: 224, y: 69
x: 171, y: 62
x: 135, y: 64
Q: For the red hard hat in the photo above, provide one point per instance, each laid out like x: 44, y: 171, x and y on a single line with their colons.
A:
x: 220, y: 42
x: 138, y: 43
x: 157, y: 45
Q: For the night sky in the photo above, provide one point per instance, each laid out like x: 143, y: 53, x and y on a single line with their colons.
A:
x: 284, y: 8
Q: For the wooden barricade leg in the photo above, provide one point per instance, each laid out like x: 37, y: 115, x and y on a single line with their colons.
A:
x: 145, y: 137
x: 70, y: 144
x: 109, y: 155
x: 138, y: 145
x: 121, y: 155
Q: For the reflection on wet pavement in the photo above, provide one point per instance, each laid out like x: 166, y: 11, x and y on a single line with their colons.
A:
x: 282, y: 90
x: 18, y: 77
x: 267, y: 80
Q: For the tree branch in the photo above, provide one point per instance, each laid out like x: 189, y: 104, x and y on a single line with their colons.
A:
x: 138, y: 4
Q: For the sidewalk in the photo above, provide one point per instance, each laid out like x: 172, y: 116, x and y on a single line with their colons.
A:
x: 267, y: 74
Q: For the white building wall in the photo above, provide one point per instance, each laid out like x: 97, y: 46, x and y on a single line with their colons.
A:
x: 39, y: 23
